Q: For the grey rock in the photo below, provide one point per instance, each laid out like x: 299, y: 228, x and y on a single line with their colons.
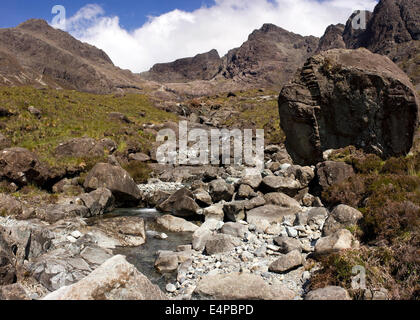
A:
x: 340, y: 218
x: 220, y: 190
x: 240, y: 286
x: 221, y: 243
x: 287, y: 262
x: 328, y: 293
x: 234, y: 229
x: 116, y: 279
x: 287, y: 244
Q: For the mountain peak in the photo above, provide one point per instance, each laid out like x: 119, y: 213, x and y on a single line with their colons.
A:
x: 34, y: 24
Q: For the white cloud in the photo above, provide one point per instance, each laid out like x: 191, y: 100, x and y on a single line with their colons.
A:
x: 223, y: 26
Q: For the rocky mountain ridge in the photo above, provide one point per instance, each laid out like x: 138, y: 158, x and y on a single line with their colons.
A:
x: 36, y: 54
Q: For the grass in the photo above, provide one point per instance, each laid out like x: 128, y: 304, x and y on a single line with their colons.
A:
x: 70, y: 114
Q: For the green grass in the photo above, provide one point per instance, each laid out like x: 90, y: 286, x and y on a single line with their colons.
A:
x: 71, y: 114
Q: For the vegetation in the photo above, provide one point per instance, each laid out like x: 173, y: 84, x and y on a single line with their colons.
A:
x: 388, y: 195
x: 70, y: 114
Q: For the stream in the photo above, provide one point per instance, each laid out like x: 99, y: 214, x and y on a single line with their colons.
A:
x: 143, y: 257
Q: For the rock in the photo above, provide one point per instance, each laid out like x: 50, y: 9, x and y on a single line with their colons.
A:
x: 282, y: 200
x: 328, y: 293
x: 22, y: 167
x: 167, y: 262
x: 117, y: 180
x: 220, y: 190
x: 347, y: 97
x: 174, y: 224
x: 253, y: 181
x: 4, y: 142
x: 341, y: 217
x: 234, y: 229
x: 254, y: 203
x: 119, y: 117
x: 292, y: 232
x: 95, y: 255
x: 200, y: 238
x: 202, y: 197
x: 29, y: 239
x: 245, y: 192
x: 330, y: 173
x: 170, y: 288
x: 287, y: 262
x: 263, y: 216
x: 129, y: 231
x: 13, y: 292
x: 180, y: 204
x: 34, y: 111
x: 340, y: 240
x: 56, y: 269
x: 240, y: 286
x: 85, y: 147
x: 116, y: 279
x: 235, y: 211
x: 302, y: 174
x: 9, y: 206
x: 317, y: 216
x: 214, y: 212
x: 221, y: 243
x: 98, y: 202
x: 7, y: 263
x: 139, y: 157
x: 287, y: 244
x: 285, y: 185
x: 55, y: 212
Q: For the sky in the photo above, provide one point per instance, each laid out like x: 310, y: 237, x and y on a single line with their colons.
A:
x: 136, y: 34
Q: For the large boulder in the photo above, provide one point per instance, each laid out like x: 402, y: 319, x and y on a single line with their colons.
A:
x: 22, y: 167
x: 240, y: 286
x: 116, y: 179
x: 348, y: 97
x: 116, y: 279
x: 180, y: 204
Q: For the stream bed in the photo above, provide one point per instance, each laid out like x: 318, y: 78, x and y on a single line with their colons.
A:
x: 143, y: 257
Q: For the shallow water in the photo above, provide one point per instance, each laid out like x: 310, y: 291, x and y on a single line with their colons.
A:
x: 144, y: 257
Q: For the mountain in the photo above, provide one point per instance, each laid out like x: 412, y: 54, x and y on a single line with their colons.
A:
x: 201, y: 67
x: 393, y: 29
x: 36, y: 54
x: 269, y: 57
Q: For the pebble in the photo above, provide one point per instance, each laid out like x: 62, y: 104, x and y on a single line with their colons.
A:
x: 76, y: 234
x: 291, y: 232
x: 72, y: 239
x: 170, y: 288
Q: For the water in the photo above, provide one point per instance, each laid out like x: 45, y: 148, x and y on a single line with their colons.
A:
x: 143, y: 257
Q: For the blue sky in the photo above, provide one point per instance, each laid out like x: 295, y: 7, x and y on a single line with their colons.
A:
x: 136, y: 34
x: 132, y: 13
